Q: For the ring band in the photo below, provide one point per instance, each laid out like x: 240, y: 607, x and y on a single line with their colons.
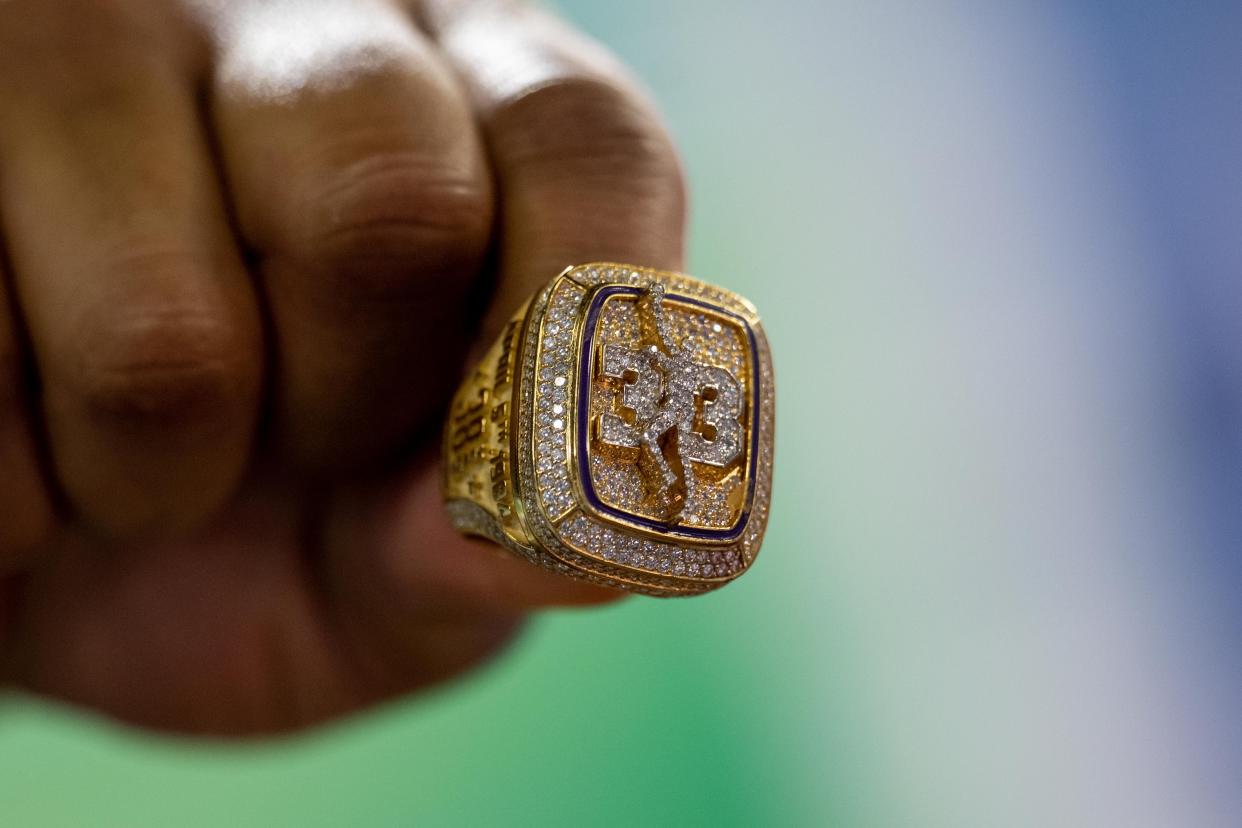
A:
x: 620, y: 430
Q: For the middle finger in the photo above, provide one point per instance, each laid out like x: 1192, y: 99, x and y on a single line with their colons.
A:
x: 358, y: 177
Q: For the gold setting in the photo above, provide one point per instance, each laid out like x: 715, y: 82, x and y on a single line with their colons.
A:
x: 620, y: 430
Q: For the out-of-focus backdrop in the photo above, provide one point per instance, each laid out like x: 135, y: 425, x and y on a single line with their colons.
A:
x: 998, y: 247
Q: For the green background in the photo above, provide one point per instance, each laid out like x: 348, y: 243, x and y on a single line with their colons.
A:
x: 965, y: 613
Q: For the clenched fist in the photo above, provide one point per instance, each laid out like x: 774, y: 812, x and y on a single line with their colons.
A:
x: 248, y: 245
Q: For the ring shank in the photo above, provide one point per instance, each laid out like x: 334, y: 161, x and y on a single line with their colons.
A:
x: 479, y: 446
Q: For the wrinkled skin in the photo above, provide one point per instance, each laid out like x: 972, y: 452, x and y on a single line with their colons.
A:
x: 249, y: 246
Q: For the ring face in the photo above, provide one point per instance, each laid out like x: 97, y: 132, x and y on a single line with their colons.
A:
x: 665, y: 430
x: 642, y: 422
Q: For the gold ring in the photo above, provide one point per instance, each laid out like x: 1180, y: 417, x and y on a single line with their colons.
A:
x: 620, y: 430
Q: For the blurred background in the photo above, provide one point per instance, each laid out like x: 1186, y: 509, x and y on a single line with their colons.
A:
x: 998, y: 247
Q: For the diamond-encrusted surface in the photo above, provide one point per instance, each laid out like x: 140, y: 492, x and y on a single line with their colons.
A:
x: 623, y: 548
x: 751, y: 539
x: 567, y: 539
x: 553, y: 400
x: 706, y: 352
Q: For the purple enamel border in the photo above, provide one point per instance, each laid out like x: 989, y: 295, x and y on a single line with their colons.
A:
x: 584, y: 385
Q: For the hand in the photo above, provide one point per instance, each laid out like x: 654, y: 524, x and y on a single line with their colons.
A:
x: 248, y: 243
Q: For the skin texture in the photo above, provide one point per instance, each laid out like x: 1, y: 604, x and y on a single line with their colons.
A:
x: 249, y: 247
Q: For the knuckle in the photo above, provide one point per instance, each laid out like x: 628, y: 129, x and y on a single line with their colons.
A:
x: 164, y: 368
x: 159, y: 371
x: 383, y: 218
x: 588, y: 127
